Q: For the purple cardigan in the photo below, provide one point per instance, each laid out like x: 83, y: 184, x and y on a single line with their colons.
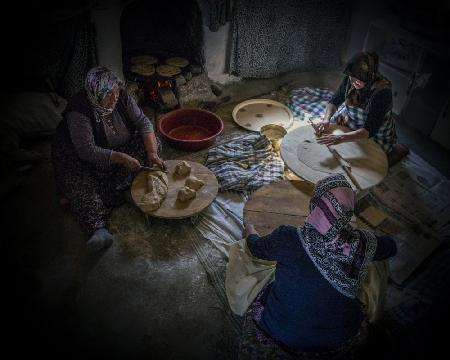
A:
x: 93, y: 140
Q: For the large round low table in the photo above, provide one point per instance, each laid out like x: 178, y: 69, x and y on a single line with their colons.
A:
x: 312, y: 161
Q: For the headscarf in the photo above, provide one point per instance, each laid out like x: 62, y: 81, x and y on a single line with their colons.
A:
x: 99, y: 81
x: 341, y: 253
x: 364, y: 66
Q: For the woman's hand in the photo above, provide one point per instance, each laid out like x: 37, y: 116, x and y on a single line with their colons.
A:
x: 130, y: 162
x: 125, y: 160
x: 249, y: 229
x: 323, y: 127
x: 154, y: 159
x: 330, y: 139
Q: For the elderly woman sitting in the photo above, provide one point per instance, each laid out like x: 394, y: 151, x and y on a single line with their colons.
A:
x: 311, y: 309
x: 103, y: 138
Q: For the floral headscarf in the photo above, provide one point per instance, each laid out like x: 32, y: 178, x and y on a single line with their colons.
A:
x: 99, y: 81
x: 341, y: 253
x: 364, y: 66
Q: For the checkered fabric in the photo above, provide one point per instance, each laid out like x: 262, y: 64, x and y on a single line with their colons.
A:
x: 355, y: 118
x: 245, y: 164
x: 308, y: 100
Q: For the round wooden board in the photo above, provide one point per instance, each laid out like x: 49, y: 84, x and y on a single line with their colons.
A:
x: 284, y: 202
x: 254, y: 114
x: 368, y: 161
x: 171, y: 208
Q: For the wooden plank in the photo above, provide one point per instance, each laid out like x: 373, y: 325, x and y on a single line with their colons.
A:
x: 281, y: 203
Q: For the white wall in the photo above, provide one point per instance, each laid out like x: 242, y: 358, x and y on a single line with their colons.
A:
x: 106, y: 17
x: 217, y: 47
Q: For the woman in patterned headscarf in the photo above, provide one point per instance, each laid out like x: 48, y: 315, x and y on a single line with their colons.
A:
x: 363, y: 102
x: 103, y: 138
x: 311, y: 308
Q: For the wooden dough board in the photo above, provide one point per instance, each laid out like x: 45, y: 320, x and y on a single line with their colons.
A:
x: 368, y: 161
x: 284, y: 202
x: 171, y: 208
x: 254, y: 114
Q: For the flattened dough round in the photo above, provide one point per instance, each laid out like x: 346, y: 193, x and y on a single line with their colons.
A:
x: 318, y: 157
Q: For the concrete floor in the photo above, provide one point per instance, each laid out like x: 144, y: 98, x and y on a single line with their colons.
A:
x: 145, y: 297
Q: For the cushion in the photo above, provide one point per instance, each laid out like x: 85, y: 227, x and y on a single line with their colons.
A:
x: 32, y: 114
x: 398, y: 152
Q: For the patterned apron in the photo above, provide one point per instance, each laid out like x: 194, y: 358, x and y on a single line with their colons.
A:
x: 355, y: 118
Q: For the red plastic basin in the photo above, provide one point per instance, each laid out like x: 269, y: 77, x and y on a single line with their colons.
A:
x: 190, y: 129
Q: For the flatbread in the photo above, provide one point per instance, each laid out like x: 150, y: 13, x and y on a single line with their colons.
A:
x: 143, y: 69
x: 177, y: 61
x: 168, y: 70
x: 147, y: 59
x: 317, y: 157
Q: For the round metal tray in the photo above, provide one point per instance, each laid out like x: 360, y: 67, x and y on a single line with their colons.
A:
x: 255, y: 113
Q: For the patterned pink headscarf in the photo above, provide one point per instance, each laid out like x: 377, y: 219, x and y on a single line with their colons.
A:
x: 340, y: 252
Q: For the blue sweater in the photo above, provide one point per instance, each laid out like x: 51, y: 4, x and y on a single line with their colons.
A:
x: 302, y: 309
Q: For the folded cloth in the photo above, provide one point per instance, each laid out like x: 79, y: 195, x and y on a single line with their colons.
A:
x: 312, y: 101
x: 373, y: 290
x: 245, y: 277
x: 245, y: 164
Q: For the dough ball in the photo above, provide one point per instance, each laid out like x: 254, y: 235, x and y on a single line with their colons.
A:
x: 183, y: 168
x: 151, y: 201
x: 194, y: 183
x: 186, y: 193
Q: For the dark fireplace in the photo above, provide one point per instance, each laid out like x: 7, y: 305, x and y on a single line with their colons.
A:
x: 162, y: 30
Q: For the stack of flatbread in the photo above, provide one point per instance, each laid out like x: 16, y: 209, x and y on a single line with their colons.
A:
x: 144, y: 59
x: 143, y: 69
x: 157, y: 187
x: 168, y: 70
x: 177, y: 61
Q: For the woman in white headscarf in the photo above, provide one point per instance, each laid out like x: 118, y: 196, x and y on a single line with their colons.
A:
x: 103, y: 138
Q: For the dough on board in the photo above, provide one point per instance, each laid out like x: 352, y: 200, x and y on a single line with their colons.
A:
x: 151, y: 201
x: 186, y: 193
x: 194, y: 183
x: 157, y: 187
x: 183, y: 168
x: 161, y: 176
